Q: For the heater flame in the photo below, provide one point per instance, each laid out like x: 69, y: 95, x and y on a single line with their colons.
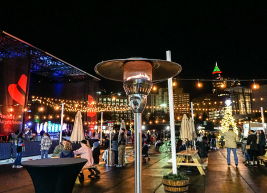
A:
x: 138, y: 76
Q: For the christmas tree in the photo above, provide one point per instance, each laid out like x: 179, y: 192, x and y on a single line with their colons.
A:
x: 228, y: 120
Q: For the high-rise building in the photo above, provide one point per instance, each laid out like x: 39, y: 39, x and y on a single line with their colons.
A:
x: 259, y: 98
x: 115, y: 105
x: 159, y: 101
x: 241, y: 101
x: 209, y: 104
x: 219, y: 83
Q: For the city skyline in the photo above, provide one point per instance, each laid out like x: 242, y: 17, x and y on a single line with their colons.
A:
x: 197, y: 33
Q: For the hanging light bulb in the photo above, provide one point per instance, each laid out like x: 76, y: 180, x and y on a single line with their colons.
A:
x: 255, y: 86
x: 223, y: 85
x: 199, y: 84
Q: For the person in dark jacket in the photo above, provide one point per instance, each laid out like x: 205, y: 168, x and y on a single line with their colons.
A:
x: 19, y: 144
x: 96, y: 154
x: 253, y: 151
x: 106, y: 142
x: 262, y: 143
x: 67, y: 151
x: 115, y: 149
x: 180, y: 146
x: 202, y: 148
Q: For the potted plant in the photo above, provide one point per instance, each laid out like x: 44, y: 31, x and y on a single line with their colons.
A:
x: 175, y: 182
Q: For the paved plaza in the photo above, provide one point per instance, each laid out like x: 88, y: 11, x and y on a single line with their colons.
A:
x: 219, y: 177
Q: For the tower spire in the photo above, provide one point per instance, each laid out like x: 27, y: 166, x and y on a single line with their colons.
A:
x: 216, y: 69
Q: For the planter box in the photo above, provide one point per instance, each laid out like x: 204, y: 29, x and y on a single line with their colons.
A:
x: 176, y: 186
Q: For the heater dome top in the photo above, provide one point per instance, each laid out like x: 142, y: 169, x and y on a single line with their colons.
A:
x: 161, y: 69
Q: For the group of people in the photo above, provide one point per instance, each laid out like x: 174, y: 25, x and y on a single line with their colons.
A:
x: 253, y: 146
x: 118, y: 148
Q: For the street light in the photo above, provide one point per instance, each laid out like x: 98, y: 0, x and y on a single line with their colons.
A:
x: 137, y: 74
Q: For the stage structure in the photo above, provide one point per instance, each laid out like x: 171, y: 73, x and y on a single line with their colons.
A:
x: 27, y: 70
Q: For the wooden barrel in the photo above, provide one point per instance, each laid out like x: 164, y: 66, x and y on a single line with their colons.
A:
x: 176, y: 186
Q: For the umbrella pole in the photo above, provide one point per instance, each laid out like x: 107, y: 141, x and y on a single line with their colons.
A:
x: 101, y: 127
x: 192, y: 114
x: 61, y: 123
x: 171, y: 110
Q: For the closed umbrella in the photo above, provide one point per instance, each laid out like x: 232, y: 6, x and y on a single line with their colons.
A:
x: 185, y: 131
x: 192, y: 128
x: 77, y: 133
x: 123, y: 125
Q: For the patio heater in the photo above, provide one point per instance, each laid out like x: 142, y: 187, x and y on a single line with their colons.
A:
x: 136, y: 74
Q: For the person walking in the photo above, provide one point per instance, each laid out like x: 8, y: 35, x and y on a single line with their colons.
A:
x: 252, y: 148
x: 19, y: 142
x: 45, y: 146
x: 231, y: 139
x: 121, y: 148
x: 115, y: 149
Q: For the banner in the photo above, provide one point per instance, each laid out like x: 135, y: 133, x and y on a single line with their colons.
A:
x: 14, y: 69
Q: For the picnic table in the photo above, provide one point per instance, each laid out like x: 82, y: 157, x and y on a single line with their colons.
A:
x: 201, y: 164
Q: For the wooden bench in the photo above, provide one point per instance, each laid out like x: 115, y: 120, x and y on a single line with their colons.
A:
x: 200, y: 163
x: 78, y: 180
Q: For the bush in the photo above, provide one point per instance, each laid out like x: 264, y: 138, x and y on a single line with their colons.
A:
x: 176, y: 177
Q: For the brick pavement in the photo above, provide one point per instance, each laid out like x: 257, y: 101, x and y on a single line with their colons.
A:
x: 220, y: 178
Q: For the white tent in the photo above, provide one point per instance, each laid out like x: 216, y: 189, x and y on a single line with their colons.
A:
x: 77, y: 133
x: 185, y: 131
x: 192, y: 128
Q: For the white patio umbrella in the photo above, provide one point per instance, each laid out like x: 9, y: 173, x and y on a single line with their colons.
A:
x: 77, y: 133
x: 192, y: 128
x: 185, y: 131
x: 122, y: 125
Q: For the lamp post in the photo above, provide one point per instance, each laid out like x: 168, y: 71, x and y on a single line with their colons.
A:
x: 136, y: 74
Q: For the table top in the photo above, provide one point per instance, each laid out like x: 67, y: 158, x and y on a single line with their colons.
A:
x: 187, y: 153
x: 128, y: 147
x: 60, y: 162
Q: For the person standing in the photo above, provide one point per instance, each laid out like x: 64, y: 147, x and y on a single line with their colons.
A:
x: 121, y: 148
x: 231, y: 139
x: 45, y: 146
x: 253, y: 148
x: 96, y: 154
x: 19, y: 142
x: 115, y: 149
x: 261, y: 143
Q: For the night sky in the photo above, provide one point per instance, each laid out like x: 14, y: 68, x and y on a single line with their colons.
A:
x: 198, y: 33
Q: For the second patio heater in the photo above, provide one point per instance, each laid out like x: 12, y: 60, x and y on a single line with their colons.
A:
x: 137, y: 75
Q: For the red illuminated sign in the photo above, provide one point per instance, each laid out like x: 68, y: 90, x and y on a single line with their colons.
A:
x: 15, y: 93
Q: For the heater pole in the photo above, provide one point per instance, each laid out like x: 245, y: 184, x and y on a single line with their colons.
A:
x: 61, y: 123
x: 138, y: 152
x: 171, y: 110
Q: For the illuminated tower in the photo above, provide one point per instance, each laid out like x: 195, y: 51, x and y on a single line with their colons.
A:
x: 217, y: 77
